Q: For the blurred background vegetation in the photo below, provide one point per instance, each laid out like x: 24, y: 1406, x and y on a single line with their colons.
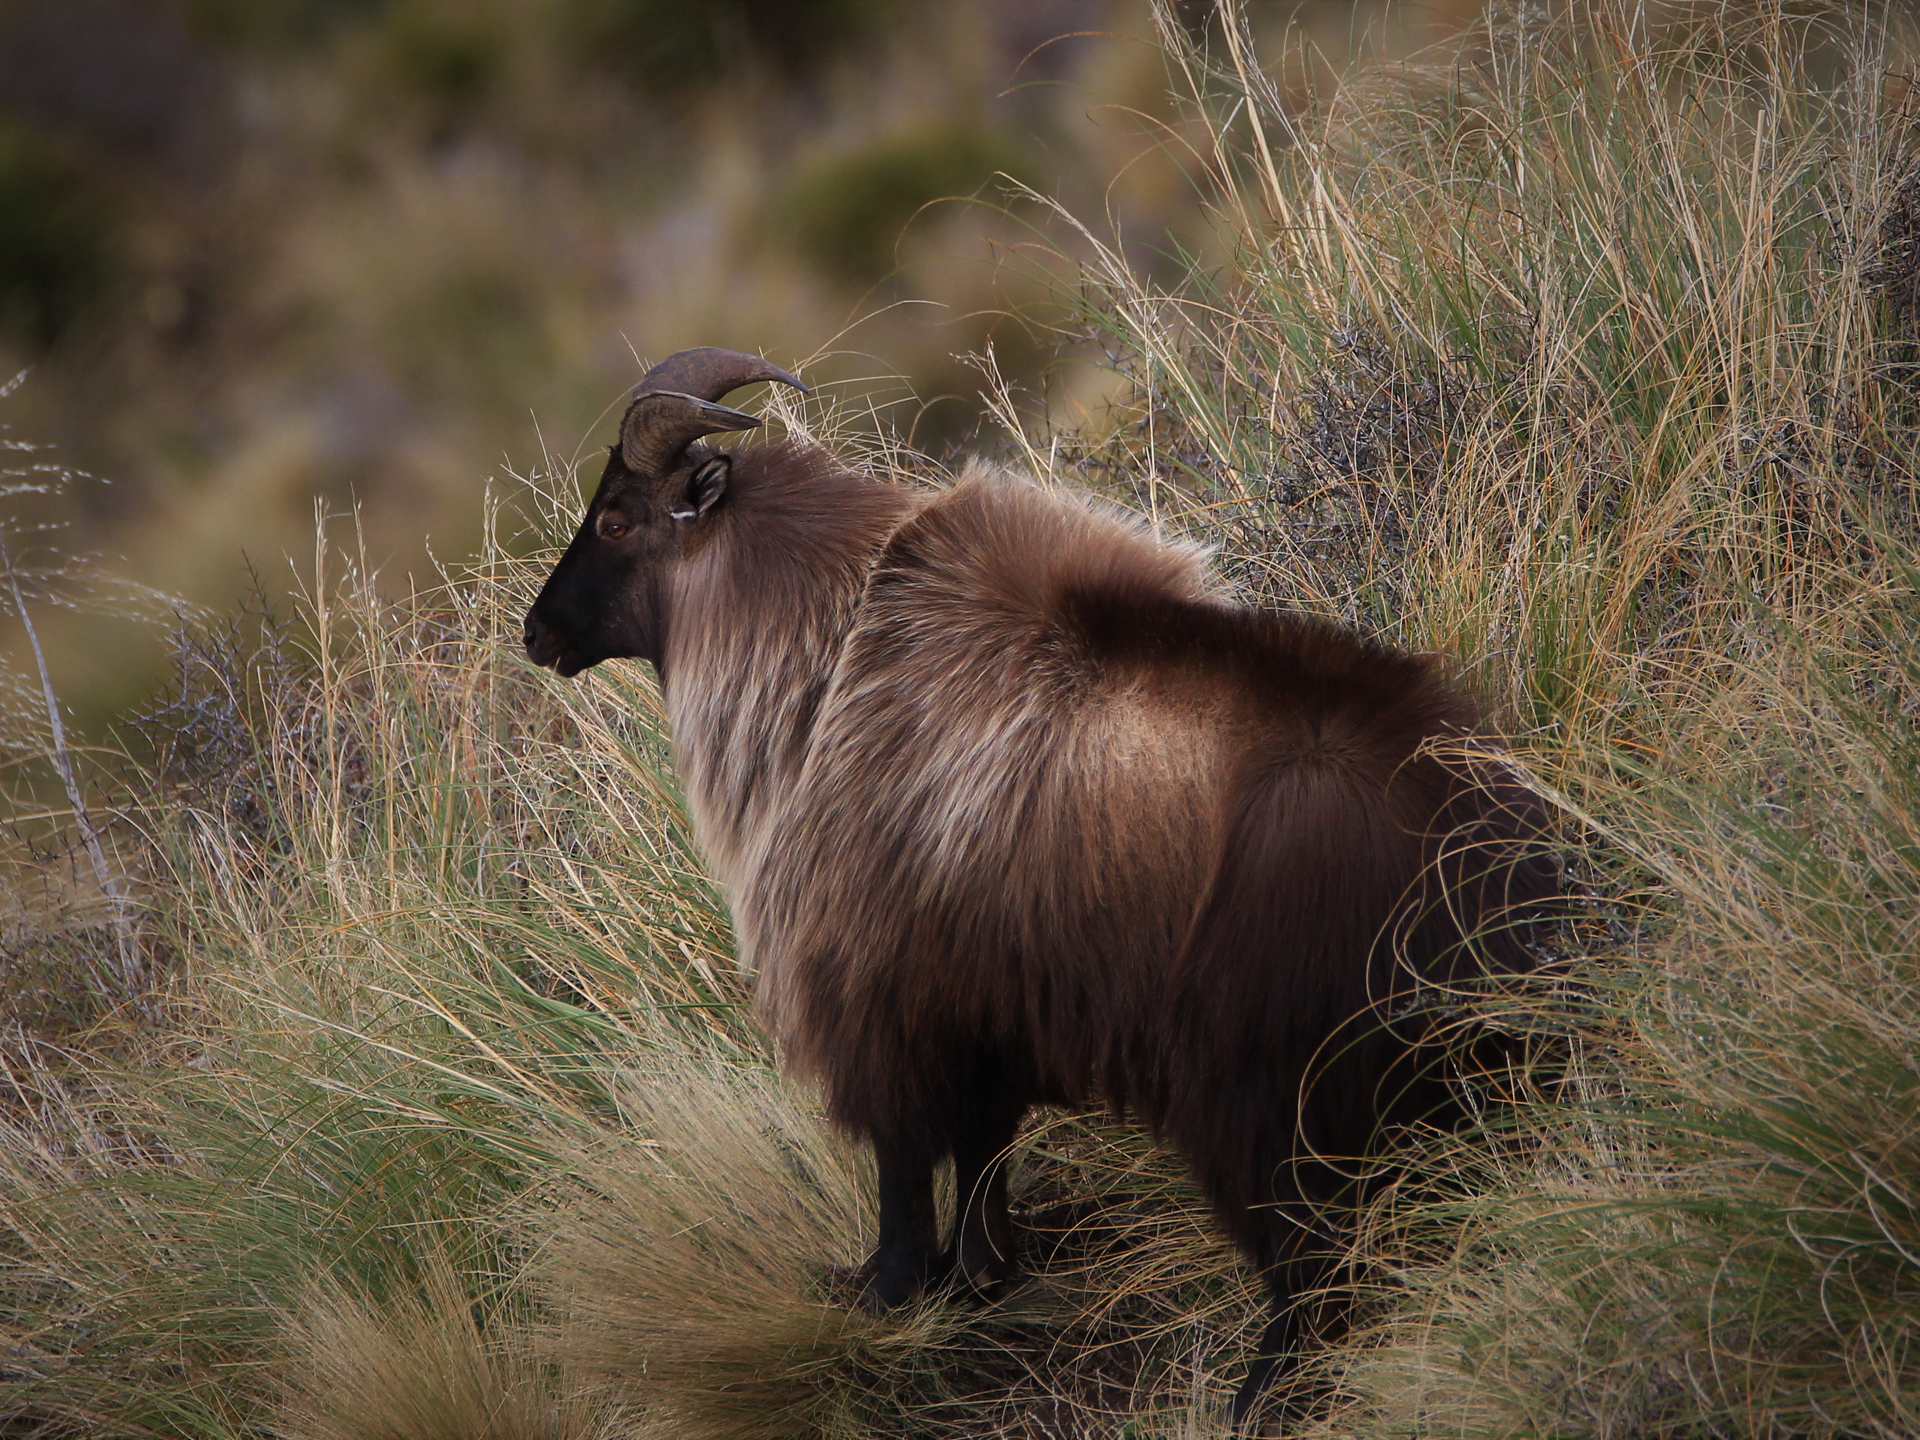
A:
x: 260, y: 254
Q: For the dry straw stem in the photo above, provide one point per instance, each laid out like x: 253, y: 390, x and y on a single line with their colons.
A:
x: 61, y: 753
x: 39, y: 575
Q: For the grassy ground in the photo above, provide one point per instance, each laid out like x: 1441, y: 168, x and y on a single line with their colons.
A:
x: 1585, y: 352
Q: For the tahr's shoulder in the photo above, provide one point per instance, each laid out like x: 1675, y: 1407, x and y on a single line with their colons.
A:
x: 1012, y: 546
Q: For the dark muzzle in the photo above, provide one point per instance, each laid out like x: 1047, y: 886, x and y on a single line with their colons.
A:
x: 545, y: 646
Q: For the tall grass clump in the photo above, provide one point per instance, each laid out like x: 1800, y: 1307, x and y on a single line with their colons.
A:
x: 729, y: 1157
x: 426, y: 1368
x: 415, y: 907
x: 1583, y: 350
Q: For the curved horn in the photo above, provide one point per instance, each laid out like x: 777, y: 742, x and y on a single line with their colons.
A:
x: 674, y: 404
x: 662, y: 423
x: 710, y: 372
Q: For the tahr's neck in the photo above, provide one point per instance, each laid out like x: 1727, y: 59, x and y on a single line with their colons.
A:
x: 756, y: 615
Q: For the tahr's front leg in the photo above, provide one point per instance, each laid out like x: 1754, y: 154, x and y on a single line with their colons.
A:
x: 908, y: 1255
x: 984, y: 1240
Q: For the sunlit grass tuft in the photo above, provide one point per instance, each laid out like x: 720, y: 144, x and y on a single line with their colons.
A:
x: 430, y: 1364
x: 699, y: 1261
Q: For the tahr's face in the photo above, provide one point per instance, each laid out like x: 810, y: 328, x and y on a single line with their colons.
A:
x: 605, y: 597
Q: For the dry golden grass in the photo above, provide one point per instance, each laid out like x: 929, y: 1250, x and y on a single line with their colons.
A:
x: 691, y: 1260
x: 428, y: 1365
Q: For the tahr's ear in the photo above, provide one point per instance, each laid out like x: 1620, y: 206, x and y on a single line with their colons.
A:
x: 705, y: 486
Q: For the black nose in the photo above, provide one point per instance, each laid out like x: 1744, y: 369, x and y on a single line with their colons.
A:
x: 526, y: 634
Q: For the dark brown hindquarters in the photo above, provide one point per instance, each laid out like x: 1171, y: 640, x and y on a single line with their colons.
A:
x: 1362, y: 878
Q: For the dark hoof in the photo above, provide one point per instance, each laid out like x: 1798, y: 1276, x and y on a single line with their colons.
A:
x: 883, y: 1283
x: 1243, y: 1416
x: 882, y: 1288
x: 990, y: 1280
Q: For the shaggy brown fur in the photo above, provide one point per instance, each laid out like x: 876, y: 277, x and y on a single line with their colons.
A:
x: 1014, y: 808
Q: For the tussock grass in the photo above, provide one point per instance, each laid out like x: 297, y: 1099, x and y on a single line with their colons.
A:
x: 425, y: 1368
x: 1583, y: 308
x: 691, y: 1261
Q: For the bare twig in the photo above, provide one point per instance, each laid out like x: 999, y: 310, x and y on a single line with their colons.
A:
x: 62, y: 755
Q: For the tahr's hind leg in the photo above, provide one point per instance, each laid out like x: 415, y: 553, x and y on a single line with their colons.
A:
x: 1292, y: 1284
x: 1276, y: 1347
x: 908, y: 1255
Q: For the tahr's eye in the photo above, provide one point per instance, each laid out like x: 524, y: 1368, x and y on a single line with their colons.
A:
x: 612, y: 527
